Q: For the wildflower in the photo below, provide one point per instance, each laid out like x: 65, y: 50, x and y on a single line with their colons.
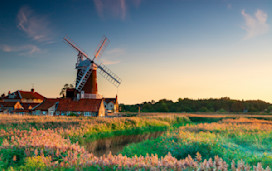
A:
x: 14, y: 158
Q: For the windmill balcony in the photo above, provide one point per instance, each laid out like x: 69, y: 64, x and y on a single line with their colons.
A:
x: 91, y: 96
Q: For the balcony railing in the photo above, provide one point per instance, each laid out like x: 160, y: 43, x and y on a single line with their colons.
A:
x: 91, y: 96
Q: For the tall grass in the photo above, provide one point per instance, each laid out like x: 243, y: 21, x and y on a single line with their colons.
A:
x: 43, y: 143
x: 230, y: 139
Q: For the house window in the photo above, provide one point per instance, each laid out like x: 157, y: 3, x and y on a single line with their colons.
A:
x: 87, y: 114
x: 44, y: 112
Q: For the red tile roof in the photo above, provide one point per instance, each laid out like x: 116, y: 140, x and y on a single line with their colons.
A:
x: 26, y: 95
x: 30, y: 95
x: 21, y: 110
x: 107, y: 100
x: 83, y: 105
x: 26, y: 105
x: 47, y: 103
x: 7, y: 104
x: 16, y: 96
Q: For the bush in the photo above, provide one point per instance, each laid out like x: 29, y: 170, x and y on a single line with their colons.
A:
x: 12, y: 157
x: 34, y: 162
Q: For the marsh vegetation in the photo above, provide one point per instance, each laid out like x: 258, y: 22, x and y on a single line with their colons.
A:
x: 147, y: 142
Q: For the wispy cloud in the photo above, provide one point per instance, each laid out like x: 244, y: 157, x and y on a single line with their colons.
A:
x: 109, y: 62
x: 22, y: 50
x: 111, y: 55
x: 115, y: 52
x: 255, y: 25
x: 116, y: 8
x: 35, y: 26
x: 229, y: 6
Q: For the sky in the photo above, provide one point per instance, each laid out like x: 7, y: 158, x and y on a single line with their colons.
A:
x: 159, y: 48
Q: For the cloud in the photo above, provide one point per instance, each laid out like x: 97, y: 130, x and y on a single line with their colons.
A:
x: 116, y: 8
x: 255, y: 25
x: 23, y: 50
x: 109, y: 62
x: 229, y: 6
x: 110, y: 54
x: 115, y: 52
x: 36, y: 27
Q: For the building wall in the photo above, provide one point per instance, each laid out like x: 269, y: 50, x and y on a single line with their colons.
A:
x: 36, y: 112
x: 52, y: 110
x: 102, y: 110
x: 31, y: 100
x: 11, y: 100
x: 18, y: 106
x: 93, y: 114
x: 111, y: 106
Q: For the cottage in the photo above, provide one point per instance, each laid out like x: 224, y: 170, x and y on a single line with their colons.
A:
x: 16, y: 107
x: 24, y: 97
x: 82, y: 107
x: 7, y: 107
x: 47, y: 107
x: 111, y: 105
x: 20, y: 101
x: 67, y: 106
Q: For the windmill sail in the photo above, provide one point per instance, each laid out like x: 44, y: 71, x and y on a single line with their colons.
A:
x: 82, y: 78
x: 101, y: 47
x: 109, y: 75
x: 69, y: 42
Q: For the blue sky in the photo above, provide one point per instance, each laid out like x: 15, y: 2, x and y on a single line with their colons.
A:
x: 160, y: 49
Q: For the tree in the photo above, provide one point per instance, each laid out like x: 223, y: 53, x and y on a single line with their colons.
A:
x: 65, y: 87
x: 269, y: 109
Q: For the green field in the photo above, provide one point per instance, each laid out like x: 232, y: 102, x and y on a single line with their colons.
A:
x: 190, y: 142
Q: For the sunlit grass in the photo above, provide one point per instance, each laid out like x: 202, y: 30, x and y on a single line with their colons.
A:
x: 49, y: 143
x: 231, y: 139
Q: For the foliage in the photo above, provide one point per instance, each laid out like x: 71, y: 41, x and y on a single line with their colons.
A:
x: 65, y: 87
x: 43, y: 148
x: 223, y: 104
x: 230, y: 139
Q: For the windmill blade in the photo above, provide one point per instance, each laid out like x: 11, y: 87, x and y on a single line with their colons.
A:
x: 69, y: 42
x: 83, y: 77
x: 109, y: 75
x: 101, y: 47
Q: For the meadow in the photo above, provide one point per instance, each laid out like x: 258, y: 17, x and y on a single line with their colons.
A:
x: 58, y: 143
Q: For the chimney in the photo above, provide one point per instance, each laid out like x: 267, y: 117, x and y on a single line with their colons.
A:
x: 9, y: 93
x: 32, y: 90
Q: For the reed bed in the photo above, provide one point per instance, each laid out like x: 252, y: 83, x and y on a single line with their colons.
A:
x: 29, y: 143
x: 230, y: 139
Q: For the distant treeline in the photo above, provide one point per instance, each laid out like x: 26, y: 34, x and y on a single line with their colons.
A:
x: 223, y: 104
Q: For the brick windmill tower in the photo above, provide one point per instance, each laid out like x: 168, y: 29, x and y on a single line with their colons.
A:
x: 86, y: 81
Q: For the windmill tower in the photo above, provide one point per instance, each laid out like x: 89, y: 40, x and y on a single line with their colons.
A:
x: 86, y: 81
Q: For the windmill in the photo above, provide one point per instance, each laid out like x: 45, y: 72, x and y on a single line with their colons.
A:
x: 86, y: 81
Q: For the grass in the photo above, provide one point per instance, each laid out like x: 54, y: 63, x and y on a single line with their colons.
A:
x: 56, y: 143
x: 230, y: 139
x: 20, y: 136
